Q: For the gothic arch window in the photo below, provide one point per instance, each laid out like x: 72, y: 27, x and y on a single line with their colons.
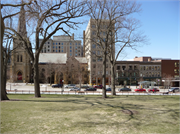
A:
x: 21, y: 59
x: 17, y: 58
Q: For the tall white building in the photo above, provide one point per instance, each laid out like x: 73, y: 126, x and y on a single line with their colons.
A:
x: 92, y: 50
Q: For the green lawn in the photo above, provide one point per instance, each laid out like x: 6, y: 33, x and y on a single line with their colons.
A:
x: 71, y: 114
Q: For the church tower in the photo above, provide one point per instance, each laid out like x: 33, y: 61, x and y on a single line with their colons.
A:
x: 20, y: 61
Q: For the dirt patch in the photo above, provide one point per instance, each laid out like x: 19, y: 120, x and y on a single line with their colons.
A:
x: 130, y: 112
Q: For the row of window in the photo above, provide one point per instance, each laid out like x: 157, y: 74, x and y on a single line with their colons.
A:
x: 58, y: 43
x: 124, y: 67
x: 150, y: 68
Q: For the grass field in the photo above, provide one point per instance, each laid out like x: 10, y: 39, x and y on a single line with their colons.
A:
x: 71, y: 114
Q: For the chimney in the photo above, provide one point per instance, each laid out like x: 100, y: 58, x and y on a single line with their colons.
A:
x: 149, y: 59
x: 72, y: 37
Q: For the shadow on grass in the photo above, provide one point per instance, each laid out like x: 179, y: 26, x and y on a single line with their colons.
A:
x: 97, y: 102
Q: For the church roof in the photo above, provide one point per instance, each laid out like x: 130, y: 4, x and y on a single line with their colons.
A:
x: 60, y: 58
x: 81, y: 59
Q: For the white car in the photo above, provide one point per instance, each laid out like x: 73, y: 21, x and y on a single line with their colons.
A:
x: 74, y: 89
x: 70, y: 86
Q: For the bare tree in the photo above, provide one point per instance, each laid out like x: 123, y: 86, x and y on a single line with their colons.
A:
x: 121, y: 30
x: 3, y: 17
x: 167, y: 79
x: 47, y: 18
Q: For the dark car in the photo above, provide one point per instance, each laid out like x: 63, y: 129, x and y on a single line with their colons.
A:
x: 98, y: 86
x: 90, y: 89
x: 124, y: 89
x: 56, y: 85
x: 153, y: 90
x: 85, y: 86
x: 108, y: 89
x: 140, y: 90
x: 174, y: 90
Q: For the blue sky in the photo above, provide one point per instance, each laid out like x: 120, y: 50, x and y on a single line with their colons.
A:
x: 160, y: 23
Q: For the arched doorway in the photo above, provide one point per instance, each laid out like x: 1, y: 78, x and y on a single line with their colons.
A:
x: 19, y: 75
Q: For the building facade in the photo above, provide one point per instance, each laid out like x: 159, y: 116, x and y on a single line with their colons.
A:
x: 93, y: 51
x: 20, y: 66
x: 63, y: 44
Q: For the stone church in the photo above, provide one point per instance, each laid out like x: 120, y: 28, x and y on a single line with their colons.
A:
x: 20, y: 68
x: 53, y: 67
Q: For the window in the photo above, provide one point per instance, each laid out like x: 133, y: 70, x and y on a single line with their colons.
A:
x: 146, y: 67
x: 61, y: 43
x: 59, y: 47
x: 70, y: 54
x: 21, y: 59
x: 70, y: 47
x: 118, y: 67
x: 56, y: 51
x: 135, y: 67
x: 75, y: 54
x: 53, y: 46
x: 149, y: 67
x: 76, y: 43
x: 48, y: 42
x: 93, y: 60
x: 70, y: 50
x: 53, y: 50
x: 61, y: 50
x: 175, y: 71
x: 62, y: 47
x: 123, y: 67
x: 79, y: 44
x: 93, y: 26
x: 53, y: 43
x: 56, y: 43
x: 56, y: 47
x: 106, y: 72
x: 70, y: 43
x: 94, y: 46
x: 130, y: 67
x: 94, y: 65
x: 152, y: 67
x: 17, y: 58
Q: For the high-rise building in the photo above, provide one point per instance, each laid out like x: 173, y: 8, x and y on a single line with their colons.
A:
x: 93, y: 51
x: 63, y: 44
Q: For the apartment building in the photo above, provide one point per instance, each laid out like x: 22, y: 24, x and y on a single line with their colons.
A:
x: 63, y: 44
x: 140, y: 69
x: 93, y: 51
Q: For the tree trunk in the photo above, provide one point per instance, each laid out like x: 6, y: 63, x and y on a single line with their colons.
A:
x: 3, y: 81
x: 113, y: 92
x: 36, y: 77
x: 104, y: 77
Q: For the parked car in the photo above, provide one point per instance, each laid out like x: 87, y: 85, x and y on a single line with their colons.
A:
x: 108, y: 89
x: 85, y: 86
x: 57, y: 85
x: 98, y: 86
x: 74, y: 89
x: 153, y: 90
x: 140, y: 90
x: 70, y: 86
x: 90, y: 89
x: 174, y: 90
x: 124, y: 89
